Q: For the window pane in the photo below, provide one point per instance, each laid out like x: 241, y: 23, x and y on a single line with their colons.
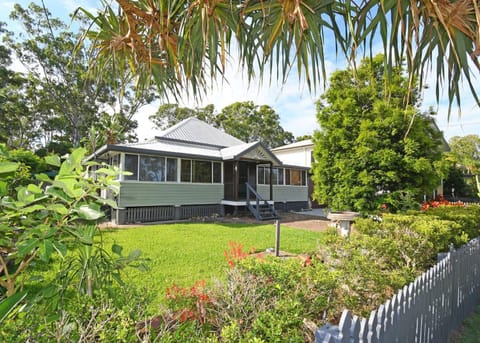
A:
x: 261, y: 175
x: 304, y: 178
x: 185, y: 171
x: 152, y: 168
x: 171, y: 169
x: 267, y: 175
x: 274, y: 176
x: 280, y: 176
x: 217, y: 172
x: 202, y: 171
x: 287, y: 176
x: 296, y: 177
x: 131, y: 165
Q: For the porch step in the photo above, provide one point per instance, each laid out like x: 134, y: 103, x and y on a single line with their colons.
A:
x: 264, y: 211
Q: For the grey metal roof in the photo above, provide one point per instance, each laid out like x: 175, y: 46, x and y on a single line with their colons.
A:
x: 175, y: 148
x: 193, y: 130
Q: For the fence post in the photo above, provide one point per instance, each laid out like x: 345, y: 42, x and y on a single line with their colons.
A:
x: 277, y: 238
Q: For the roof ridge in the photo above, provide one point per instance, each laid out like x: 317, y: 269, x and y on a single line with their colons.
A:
x: 176, y: 126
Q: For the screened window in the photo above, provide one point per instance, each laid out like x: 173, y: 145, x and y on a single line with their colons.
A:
x: 217, y: 172
x: 152, y: 168
x: 131, y: 165
x: 186, y: 171
x: 171, y: 169
x: 202, y: 171
x: 264, y: 176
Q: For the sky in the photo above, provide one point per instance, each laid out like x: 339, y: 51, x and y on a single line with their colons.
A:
x: 294, y: 103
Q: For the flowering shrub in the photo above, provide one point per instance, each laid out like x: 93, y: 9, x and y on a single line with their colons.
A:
x: 236, y: 253
x: 189, y: 304
x: 440, y: 201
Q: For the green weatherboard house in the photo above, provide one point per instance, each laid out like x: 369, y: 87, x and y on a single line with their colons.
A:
x: 193, y: 169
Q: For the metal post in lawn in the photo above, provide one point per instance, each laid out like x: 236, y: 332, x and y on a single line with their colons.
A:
x: 277, y: 238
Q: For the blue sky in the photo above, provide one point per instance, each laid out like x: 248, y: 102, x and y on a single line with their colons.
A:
x: 292, y: 100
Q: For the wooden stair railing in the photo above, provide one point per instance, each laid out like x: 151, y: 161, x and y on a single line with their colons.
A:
x: 260, y: 208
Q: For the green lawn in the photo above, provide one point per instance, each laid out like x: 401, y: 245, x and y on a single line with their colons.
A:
x: 470, y: 330
x: 184, y: 253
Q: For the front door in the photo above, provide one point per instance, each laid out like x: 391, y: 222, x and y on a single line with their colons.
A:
x: 236, y: 174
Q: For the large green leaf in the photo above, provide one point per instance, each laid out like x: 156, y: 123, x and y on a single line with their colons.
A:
x: 9, y: 304
x: 89, y: 212
x: 8, y: 167
x: 27, y: 246
x: 53, y: 160
x: 45, y: 250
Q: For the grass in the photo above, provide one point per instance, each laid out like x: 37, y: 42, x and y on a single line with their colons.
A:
x: 184, y: 253
x: 470, y: 330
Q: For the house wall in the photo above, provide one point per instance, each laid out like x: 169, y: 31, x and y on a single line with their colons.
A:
x: 300, y: 157
x: 134, y: 194
x: 284, y: 193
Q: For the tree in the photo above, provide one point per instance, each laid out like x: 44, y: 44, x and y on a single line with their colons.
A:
x: 243, y: 120
x: 170, y: 114
x: 64, y: 101
x: 465, y: 153
x: 180, y: 44
x: 249, y: 122
x: 363, y: 156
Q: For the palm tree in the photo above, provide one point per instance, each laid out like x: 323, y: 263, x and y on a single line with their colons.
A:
x: 181, y: 44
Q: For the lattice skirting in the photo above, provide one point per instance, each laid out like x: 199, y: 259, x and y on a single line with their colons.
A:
x: 147, y: 214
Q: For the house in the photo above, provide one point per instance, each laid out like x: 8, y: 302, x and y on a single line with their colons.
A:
x: 193, y: 169
x: 300, y: 154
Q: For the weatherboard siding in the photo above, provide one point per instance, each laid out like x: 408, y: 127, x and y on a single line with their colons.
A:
x: 284, y: 193
x: 164, y: 194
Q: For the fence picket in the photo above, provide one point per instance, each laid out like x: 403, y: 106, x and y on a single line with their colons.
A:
x: 424, y: 311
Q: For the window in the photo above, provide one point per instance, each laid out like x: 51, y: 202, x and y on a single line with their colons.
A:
x: 152, y: 169
x: 171, y: 169
x: 261, y: 175
x: 217, y: 172
x: 202, y: 171
x: 277, y: 176
x: 186, y: 171
x: 264, y: 176
x: 295, y: 177
x: 131, y: 165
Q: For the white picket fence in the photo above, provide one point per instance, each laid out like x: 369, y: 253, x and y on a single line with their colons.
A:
x: 426, y: 310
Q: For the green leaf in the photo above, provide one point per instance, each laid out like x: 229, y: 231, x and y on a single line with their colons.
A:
x: 34, y: 189
x: 134, y: 254
x: 60, y: 248
x: 74, y: 161
x: 89, y: 212
x: 3, y: 188
x: 58, y: 208
x: 46, y: 249
x: 117, y: 249
x: 8, y: 167
x: 58, y: 193
x: 43, y: 177
x: 106, y: 171
x: 32, y: 208
x: 26, y: 247
x: 53, y: 160
x: 110, y: 202
x: 9, y: 304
